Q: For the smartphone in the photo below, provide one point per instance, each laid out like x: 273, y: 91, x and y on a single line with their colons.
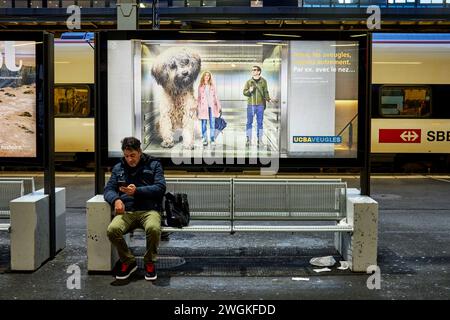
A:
x: 122, y: 184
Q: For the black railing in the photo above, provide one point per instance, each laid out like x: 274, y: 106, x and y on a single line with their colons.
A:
x: 349, y: 125
x: 230, y: 3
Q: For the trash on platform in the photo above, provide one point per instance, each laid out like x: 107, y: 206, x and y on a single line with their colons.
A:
x: 327, y: 261
x: 322, y: 270
x: 344, y: 265
x: 300, y: 279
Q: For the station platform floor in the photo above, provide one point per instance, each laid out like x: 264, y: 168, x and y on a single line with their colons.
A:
x: 413, y: 255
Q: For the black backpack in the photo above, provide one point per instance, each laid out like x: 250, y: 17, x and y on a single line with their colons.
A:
x: 177, y: 210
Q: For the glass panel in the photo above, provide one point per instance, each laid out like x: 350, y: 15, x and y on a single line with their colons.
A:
x: 178, y: 3
x: 408, y: 3
x: 366, y: 3
x: 5, y: 3
x: 209, y: 3
x: 233, y: 3
x: 316, y: 3
x: 84, y: 3
x: 193, y: 3
x: 256, y: 3
x: 411, y: 101
x: 99, y: 4
x: 52, y: 4
x: 431, y: 1
x: 22, y: 4
x: 35, y: 4
x: 67, y: 3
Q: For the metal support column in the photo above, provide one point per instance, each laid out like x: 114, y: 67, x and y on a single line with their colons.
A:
x: 99, y: 170
x: 365, y: 172
x: 49, y: 137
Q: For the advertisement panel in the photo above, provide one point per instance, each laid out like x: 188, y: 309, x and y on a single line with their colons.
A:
x: 18, y: 124
x: 292, y: 99
x: 323, y: 99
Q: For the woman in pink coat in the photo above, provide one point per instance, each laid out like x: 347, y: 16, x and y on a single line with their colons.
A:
x: 208, y: 106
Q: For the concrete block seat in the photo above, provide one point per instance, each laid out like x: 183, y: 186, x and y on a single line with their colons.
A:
x: 30, y: 229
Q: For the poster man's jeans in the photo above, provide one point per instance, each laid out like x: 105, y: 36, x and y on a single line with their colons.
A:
x: 212, y: 126
x: 251, y: 111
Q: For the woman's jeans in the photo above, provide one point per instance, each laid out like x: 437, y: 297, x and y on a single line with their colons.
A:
x: 212, y: 126
x: 251, y: 111
x: 130, y: 220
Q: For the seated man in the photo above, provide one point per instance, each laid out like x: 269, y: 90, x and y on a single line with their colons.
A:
x: 135, y: 191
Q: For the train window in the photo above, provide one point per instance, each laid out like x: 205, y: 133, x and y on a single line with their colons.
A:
x: 72, y: 101
x: 405, y: 101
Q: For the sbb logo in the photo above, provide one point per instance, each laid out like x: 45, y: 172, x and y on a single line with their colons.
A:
x: 399, y: 135
x: 438, y: 136
x: 10, y: 57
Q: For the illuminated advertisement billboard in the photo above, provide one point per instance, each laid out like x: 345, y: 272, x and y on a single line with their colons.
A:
x: 291, y: 98
x: 18, y: 99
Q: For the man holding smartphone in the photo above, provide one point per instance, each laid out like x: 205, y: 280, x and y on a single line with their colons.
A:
x: 135, y: 191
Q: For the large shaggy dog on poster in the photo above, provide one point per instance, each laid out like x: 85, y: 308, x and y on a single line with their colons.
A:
x: 176, y: 70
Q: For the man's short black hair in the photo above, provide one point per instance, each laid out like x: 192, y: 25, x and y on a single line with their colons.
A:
x: 131, y: 143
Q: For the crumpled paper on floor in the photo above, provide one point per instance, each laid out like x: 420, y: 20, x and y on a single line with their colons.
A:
x: 327, y: 261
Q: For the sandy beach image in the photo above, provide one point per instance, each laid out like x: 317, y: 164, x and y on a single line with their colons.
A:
x: 18, y: 121
x: 17, y: 99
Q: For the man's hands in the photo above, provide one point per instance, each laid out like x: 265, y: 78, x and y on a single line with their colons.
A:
x: 129, y: 190
x: 119, y: 207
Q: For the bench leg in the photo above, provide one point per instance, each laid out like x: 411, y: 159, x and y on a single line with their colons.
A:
x: 100, y: 252
x: 360, y: 247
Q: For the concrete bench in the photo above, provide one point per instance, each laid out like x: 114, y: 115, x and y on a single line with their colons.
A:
x: 30, y: 229
x: 353, y: 218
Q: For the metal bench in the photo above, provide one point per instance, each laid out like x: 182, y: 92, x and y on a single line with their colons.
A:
x: 289, y: 199
x: 209, y: 199
x: 9, y: 190
x: 28, y: 183
x: 233, y: 201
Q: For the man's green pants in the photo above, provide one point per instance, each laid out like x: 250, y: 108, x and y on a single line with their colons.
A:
x: 150, y: 221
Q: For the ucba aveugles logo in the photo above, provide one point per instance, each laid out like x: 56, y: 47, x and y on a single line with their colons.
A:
x: 10, y: 57
x: 399, y: 135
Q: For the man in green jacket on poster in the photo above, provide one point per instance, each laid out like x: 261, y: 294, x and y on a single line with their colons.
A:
x: 257, y: 96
